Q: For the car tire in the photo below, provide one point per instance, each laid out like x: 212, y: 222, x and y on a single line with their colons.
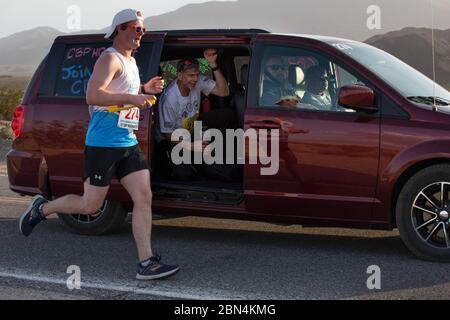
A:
x: 108, y: 219
x: 422, y: 213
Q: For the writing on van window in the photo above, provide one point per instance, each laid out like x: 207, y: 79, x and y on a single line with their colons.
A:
x: 75, y: 72
x: 77, y: 53
x: 79, y: 76
x: 76, y: 69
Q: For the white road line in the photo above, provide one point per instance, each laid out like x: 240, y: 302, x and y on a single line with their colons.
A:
x: 168, y: 293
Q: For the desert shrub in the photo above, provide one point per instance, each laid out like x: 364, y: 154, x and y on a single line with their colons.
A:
x: 9, y: 99
x: 6, y: 132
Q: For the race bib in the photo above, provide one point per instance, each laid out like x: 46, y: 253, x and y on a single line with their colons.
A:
x: 129, y: 119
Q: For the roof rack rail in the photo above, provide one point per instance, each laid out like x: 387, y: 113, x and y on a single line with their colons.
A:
x: 212, y: 31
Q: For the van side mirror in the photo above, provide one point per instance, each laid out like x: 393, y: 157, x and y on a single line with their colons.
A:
x: 358, y: 98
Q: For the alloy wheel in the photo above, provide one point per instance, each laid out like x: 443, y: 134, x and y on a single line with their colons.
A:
x: 430, y: 214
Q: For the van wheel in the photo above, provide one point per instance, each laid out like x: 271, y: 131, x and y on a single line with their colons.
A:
x: 423, y: 213
x: 108, y: 219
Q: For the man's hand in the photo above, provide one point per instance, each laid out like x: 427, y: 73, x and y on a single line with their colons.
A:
x: 211, y: 56
x: 141, y: 100
x: 221, y: 88
x: 154, y: 86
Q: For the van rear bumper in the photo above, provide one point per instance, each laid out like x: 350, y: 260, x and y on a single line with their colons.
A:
x: 27, y: 173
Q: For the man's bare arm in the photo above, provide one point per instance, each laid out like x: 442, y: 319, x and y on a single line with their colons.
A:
x: 221, y: 89
x: 105, y: 70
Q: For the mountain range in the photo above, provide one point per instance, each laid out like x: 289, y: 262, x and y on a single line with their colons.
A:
x: 414, y: 46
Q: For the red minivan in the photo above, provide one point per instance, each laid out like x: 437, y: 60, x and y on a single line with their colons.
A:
x: 377, y: 158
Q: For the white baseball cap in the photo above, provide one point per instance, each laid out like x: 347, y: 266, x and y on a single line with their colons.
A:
x: 122, y: 17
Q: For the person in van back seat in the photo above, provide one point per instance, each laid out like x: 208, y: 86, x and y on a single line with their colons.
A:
x: 179, y: 109
x: 112, y: 148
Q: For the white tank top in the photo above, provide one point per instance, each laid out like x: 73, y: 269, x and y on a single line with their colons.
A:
x: 103, y: 130
x: 127, y: 82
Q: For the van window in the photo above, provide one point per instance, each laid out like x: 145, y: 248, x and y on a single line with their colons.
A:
x: 69, y: 68
x: 295, y: 78
x: 76, y: 69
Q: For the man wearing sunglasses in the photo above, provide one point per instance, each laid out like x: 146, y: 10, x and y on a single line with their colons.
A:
x: 316, y: 93
x: 275, y: 81
x: 111, y: 148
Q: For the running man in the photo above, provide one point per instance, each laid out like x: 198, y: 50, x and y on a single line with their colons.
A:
x: 111, y: 146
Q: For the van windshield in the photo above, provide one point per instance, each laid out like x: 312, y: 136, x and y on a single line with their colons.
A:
x: 405, y: 79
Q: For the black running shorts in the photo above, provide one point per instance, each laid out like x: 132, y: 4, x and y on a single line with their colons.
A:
x: 102, y: 164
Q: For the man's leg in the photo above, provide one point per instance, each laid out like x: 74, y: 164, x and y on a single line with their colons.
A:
x: 138, y: 186
x: 100, y: 164
x: 150, y: 266
x: 40, y: 208
x: 91, y: 201
x: 181, y: 172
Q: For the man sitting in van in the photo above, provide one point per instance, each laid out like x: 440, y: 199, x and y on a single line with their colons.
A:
x: 275, y: 81
x: 317, y: 88
x: 180, y: 108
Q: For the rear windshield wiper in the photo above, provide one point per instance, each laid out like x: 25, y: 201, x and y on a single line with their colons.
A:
x: 430, y: 100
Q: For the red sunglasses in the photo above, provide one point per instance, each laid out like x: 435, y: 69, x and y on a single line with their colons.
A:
x: 138, y: 29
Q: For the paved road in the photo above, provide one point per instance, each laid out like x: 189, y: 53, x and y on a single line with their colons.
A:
x: 219, y: 259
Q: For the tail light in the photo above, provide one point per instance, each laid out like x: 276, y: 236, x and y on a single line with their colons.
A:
x: 18, y: 121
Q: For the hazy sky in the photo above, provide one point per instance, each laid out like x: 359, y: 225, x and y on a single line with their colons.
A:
x: 17, y: 16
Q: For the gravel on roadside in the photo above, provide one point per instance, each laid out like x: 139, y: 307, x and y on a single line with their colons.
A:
x: 5, y: 146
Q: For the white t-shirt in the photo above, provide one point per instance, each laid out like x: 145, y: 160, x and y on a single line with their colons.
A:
x: 176, y: 111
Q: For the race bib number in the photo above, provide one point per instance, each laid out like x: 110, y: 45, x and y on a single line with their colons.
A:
x: 129, y: 119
